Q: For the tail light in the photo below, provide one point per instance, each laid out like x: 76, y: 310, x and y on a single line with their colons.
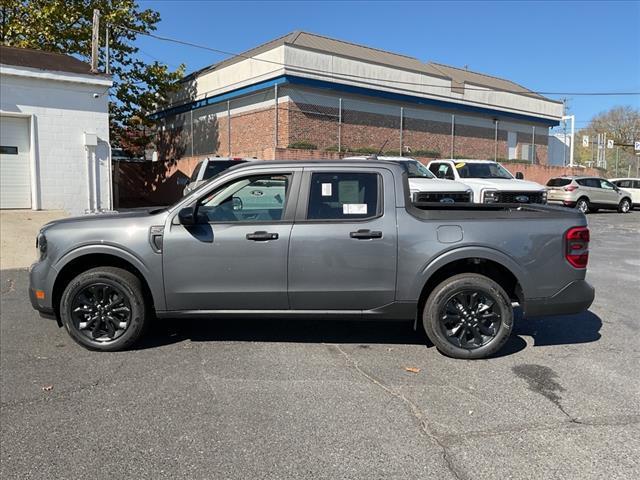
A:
x: 576, y: 241
x: 570, y: 188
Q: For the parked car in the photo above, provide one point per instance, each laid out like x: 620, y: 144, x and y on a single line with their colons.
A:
x: 587, y: 194
x: 490, y: 181
x: 631, y: 185
x: 209, y: 168
x: 424, y: 185
x: 330, y: 239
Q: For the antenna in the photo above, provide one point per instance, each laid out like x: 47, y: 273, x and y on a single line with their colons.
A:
x: 382, y: 147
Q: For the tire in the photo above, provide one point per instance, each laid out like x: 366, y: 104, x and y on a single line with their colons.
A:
x: 440, y: 304
x: 104, y: 309
x: 583, y: 205
x: 624, y: 206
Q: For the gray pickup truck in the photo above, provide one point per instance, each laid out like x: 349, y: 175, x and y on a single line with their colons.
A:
x: 331, y: 239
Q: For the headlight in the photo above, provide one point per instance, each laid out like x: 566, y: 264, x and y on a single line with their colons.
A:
x: 544, y: 196
x: 490, y: 196
x: 41, y: 245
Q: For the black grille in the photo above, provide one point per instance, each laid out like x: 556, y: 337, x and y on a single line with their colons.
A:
x: 442, y: 197
x: 519, y: 197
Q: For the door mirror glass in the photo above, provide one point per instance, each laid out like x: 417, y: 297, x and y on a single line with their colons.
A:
x: 520, y: 175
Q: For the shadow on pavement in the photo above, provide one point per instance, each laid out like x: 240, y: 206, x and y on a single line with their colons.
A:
x: 562, y: 330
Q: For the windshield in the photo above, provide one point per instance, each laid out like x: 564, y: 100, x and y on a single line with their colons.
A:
x: 482, y: 170
x: 416, y: 170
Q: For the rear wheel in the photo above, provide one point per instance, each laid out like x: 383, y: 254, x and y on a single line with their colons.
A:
x: 468, y: 316
x: 624, y: 206
x: 583, y: 205
x: 104, y: 309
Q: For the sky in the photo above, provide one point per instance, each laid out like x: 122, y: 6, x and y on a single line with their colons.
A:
x: 556, y: 46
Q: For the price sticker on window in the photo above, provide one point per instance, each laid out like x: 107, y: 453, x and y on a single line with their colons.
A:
x: 326, y: 189
x: 354, y: 209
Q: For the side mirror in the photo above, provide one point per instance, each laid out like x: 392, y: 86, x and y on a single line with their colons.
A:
x: 182, y: 181
x: 187, y: 216
x: 520, y: 175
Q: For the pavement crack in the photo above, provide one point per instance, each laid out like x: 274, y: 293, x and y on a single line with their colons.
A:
x: 425, y: 430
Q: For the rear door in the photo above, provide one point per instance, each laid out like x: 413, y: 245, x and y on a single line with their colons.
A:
x: 342, y: 253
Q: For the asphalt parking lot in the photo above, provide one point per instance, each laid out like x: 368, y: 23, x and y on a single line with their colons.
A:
x: 302, y: 399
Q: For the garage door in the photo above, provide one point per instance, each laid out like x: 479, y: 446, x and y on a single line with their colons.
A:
x: 15, y: 176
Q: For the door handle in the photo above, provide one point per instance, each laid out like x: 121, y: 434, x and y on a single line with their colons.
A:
x: 365, y: 234
x: 262, y: 236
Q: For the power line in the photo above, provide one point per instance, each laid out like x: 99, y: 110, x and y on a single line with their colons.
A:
x: 346, y: 75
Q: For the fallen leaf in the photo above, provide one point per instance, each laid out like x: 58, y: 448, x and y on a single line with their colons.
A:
x: 412, y: 369
x: 47, y: 388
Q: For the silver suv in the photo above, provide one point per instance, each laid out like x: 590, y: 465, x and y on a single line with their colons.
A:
x: 587, y: 194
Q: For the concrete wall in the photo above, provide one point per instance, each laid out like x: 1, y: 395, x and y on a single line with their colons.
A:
x: 62, y: 110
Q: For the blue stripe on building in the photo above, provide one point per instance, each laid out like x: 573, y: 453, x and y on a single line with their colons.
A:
x: 351, y: 89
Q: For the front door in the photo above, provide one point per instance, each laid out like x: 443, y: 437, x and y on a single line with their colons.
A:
x: 608, y: 192
x: 235, y: 257
x: 342, y: 254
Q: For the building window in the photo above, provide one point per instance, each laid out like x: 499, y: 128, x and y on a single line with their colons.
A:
x: 5, y: 150
x: 512, y: 145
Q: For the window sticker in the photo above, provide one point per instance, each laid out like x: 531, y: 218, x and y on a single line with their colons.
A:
x: 460, y: 165
x: 326, y: 190
x: 354, y: 209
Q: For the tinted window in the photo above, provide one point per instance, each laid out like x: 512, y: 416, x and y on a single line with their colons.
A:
x: 343, y: 196
x: 589, y: 182
x: 442, y: 170
x: 196, y: 171
x: 415, y: 169
x: 216, y: 167
x: 482, y: 170
x: 260, y: 198
x: 433, y: 168
x: 636, y: 184
x: 558, y: 182
x: 624, y: 183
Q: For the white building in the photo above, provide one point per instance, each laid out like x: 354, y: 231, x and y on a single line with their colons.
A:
x: 54, y: 133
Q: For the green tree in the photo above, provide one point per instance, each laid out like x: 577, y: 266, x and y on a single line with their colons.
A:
x: 622, y: 125
x: 64, y: 26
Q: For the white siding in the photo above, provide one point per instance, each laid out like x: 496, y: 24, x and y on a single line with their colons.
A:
x: 62, y: 111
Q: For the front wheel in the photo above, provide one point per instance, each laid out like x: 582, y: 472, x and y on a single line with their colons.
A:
x: 624, y: 206
x: 104, y: 309
x: 468, y: 316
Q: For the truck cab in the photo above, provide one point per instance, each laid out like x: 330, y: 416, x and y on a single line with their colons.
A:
x: 490, y: 181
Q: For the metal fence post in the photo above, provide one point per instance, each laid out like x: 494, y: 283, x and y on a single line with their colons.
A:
x: 453, y: 130
x: 229, y: 127
x: 495, y: 139
x: 275, y: 120
x: 533, y: 144
x: 401, y: 125
x: 339, y: 125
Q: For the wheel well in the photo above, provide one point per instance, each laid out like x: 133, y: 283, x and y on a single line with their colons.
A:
x: 86, y: 262
x: 493, y: 270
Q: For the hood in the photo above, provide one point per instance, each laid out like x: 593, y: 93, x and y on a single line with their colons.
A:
x: 436, y: 185
x: 104, y: 218
x: 504, y: 184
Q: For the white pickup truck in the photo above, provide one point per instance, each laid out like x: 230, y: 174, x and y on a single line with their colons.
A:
x: 490, y: 181
x: 423, y: 185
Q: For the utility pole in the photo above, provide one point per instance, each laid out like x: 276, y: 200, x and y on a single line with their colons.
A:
x: 95, y: 40
x: 617, y: 158
x: 107, y: 67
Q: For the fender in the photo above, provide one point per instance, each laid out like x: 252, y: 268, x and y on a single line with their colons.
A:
x: 157, y: 291
x: 472, y: 251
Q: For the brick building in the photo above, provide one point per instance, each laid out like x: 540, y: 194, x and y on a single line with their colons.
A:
x: 328, y: 97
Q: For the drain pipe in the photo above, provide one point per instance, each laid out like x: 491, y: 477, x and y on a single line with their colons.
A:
x: 96, y: 171
x: 109, y: 173
x: 88, y: 152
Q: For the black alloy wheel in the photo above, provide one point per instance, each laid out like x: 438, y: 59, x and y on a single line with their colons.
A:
x: 469, y: 319
x: 101, y: 312
x: 104, y: 309
x: 468, y: 316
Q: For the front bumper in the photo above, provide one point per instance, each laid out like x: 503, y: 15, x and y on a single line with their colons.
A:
x: 576, y: 297
x: 564, y: 203
x: 41, y: 277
